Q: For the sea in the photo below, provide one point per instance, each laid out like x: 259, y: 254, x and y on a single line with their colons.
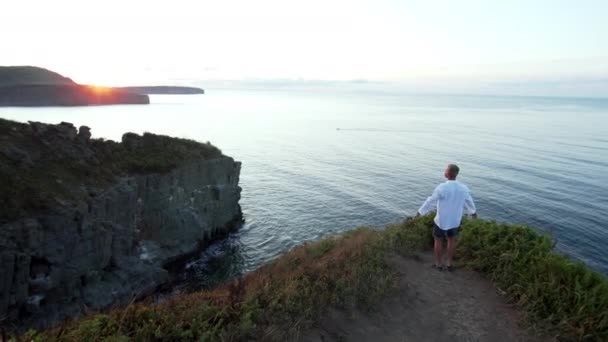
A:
x: 318, y: 162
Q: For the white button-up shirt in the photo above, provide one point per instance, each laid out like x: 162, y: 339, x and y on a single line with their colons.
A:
x: 450, y: 199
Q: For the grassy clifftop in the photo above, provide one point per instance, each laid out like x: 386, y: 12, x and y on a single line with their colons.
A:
x: 42, y: 165
x: 351, y: 270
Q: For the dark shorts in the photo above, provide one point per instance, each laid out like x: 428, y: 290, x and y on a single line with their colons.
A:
x: 440, y: 234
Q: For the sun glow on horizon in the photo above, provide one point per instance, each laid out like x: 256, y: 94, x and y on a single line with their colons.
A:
x: 100, y: 89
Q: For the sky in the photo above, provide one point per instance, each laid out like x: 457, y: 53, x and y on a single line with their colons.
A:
x: 464, y: 44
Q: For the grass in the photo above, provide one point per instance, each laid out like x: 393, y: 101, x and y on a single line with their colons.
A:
x: 564, y: 296
x: 62, y: 170
x: 284, y: 298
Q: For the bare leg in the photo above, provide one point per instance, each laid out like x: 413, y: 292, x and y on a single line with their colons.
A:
x: 451, y: 250
x: 438, y: 252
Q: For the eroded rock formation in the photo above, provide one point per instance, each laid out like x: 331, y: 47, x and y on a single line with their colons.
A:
x: 95, y: 231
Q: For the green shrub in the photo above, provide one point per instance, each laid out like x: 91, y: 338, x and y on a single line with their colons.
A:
x: 566, y: 296
x: 409, y: 237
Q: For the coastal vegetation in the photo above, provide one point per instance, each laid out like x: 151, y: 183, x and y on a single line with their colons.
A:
x: 561, y: 297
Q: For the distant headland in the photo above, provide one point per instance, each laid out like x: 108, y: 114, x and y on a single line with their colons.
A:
x: 35, y: 86
x: 168, y: 90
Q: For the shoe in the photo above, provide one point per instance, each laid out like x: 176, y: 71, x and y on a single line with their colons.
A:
x: 450, y: 268
x: 436, y: 267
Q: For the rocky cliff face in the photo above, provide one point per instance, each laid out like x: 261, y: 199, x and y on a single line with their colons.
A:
x: 98, y: 246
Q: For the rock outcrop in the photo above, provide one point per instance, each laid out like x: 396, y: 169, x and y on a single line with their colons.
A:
x: 100, y: 231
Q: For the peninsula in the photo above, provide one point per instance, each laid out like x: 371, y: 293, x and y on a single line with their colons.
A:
x: 31, y: 86
x: 37, y: 87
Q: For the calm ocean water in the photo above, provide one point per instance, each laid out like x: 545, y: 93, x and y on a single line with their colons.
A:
x: 317, y: 163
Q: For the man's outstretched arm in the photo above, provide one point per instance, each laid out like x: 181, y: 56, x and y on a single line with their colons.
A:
x: 430, y: 204
x: 469, y: 205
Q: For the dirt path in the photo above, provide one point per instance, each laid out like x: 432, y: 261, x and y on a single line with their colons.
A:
x: 430, y: 305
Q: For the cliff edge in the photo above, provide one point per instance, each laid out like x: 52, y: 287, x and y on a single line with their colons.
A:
x: 87, y: 224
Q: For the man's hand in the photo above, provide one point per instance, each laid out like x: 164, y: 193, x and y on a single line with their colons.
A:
x: 474, y: 216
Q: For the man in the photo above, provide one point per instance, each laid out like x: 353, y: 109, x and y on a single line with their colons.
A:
x: 450, y: 199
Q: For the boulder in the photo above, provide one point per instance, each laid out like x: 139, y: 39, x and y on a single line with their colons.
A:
x: 84, y: 133
x: 38, y: 127
x: 131, y: 141
x: 66, y: 130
